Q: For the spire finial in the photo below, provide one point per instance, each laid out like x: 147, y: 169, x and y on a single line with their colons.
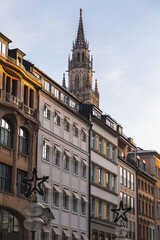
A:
x: 80, y: 41
x: 64, y: 81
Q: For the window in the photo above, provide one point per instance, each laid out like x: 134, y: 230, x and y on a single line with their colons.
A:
x: 76, y: 81
x: 83, y: 135
x: 57, y: 118
x: 55, y: 233
x: 132, y: 181
x: 75, y: 130
x: 66, y: 100
x: 125, y: 177
x: 75, y: 164
x: 66, y: 160
x: 45, y: 150
x: 75, y: 198
x: 56, y: 192
x: 65, y: 235
x: 108, y: 150
x: 114, y: 154
x: 78, y: 57
x: 121, y: 175
x: 45, y: 195
x: 46, y: 112
x: 6, y: 133
x: 5, y: 177
x: 133, y: 205
x: 66, y: 195
x: 129, y: 179
x: 10, y: 227
x: 66, y: 124
x: 84, y: 168
x: 93, y: 201
x: 84, y: 201
x: 112, y: 187
x: 83, y: 57
x: 31, y: 98
x: 74, y: 106
x: 3, y: 48
x: 21, y: 186
x: 37, y: 75
x: 57, y: 152
x: 47, y: 86
x: 23, y: 140
x: 93, y: 140
x: 56, y: 93
x: 100, y: 145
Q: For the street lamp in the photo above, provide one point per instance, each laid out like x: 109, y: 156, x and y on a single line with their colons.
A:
x: 34, y: 209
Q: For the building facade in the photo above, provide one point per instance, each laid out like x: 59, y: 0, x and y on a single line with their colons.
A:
x: 18, y: 138
x: 127, y: 179
x: 149, y: 160
x: 104, y: 171
x: 146, y: 203
x: 63, y: 154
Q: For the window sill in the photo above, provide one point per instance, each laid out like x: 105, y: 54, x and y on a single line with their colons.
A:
x: 75, y: 174
x: 65, y: 210
x: 66, y: 170
x: 55, y: 206
x: 75, y: 213
x: 46, y: 161
x: 57, y: 166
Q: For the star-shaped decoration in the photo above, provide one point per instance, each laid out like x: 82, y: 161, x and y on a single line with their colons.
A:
x: 37, y: 187
x: 123, y: 210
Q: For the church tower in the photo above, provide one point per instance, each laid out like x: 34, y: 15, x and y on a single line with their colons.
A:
x: 80, y: 69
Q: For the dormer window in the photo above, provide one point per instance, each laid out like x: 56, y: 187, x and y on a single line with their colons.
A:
x: 3, y: 48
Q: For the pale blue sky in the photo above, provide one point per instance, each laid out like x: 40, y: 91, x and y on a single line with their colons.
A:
x: 124, y: 39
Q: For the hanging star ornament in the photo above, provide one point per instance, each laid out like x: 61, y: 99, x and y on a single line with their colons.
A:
x: 37, y: 186
x: 123, y: 210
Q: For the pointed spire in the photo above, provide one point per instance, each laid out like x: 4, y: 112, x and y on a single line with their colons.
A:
x: 64, y: 81
x: 80, y: 34
x: 96, y: 87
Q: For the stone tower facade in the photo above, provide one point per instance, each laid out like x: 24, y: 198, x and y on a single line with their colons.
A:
x: 80, y: 69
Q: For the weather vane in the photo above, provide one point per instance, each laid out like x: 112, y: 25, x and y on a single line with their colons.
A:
x: 37, y: 188
x: 123, y: 212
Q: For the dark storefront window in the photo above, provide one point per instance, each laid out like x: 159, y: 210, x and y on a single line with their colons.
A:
x: 9, y: 226
x: 94, y: 235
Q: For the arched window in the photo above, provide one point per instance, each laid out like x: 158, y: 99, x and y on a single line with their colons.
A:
x: 6, y: 132
x: 84, y: 80
x: 77, y: 81
x: 78, y: 57
x: 23, y: 140
x: 83, y: 57
x: 10, y: 226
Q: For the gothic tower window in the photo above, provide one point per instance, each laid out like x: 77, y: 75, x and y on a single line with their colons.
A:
x: 84, y: 80
x: 78, y: 57
x: 76, y: 81
x: 83, y: 57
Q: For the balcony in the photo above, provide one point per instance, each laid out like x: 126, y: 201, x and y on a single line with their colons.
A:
x: 16, y: 102
x: 12, y: 99
x: 29, y: 110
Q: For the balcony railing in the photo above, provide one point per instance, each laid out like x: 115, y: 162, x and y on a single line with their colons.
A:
x: 12, y: 99
x: 29, y: 110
